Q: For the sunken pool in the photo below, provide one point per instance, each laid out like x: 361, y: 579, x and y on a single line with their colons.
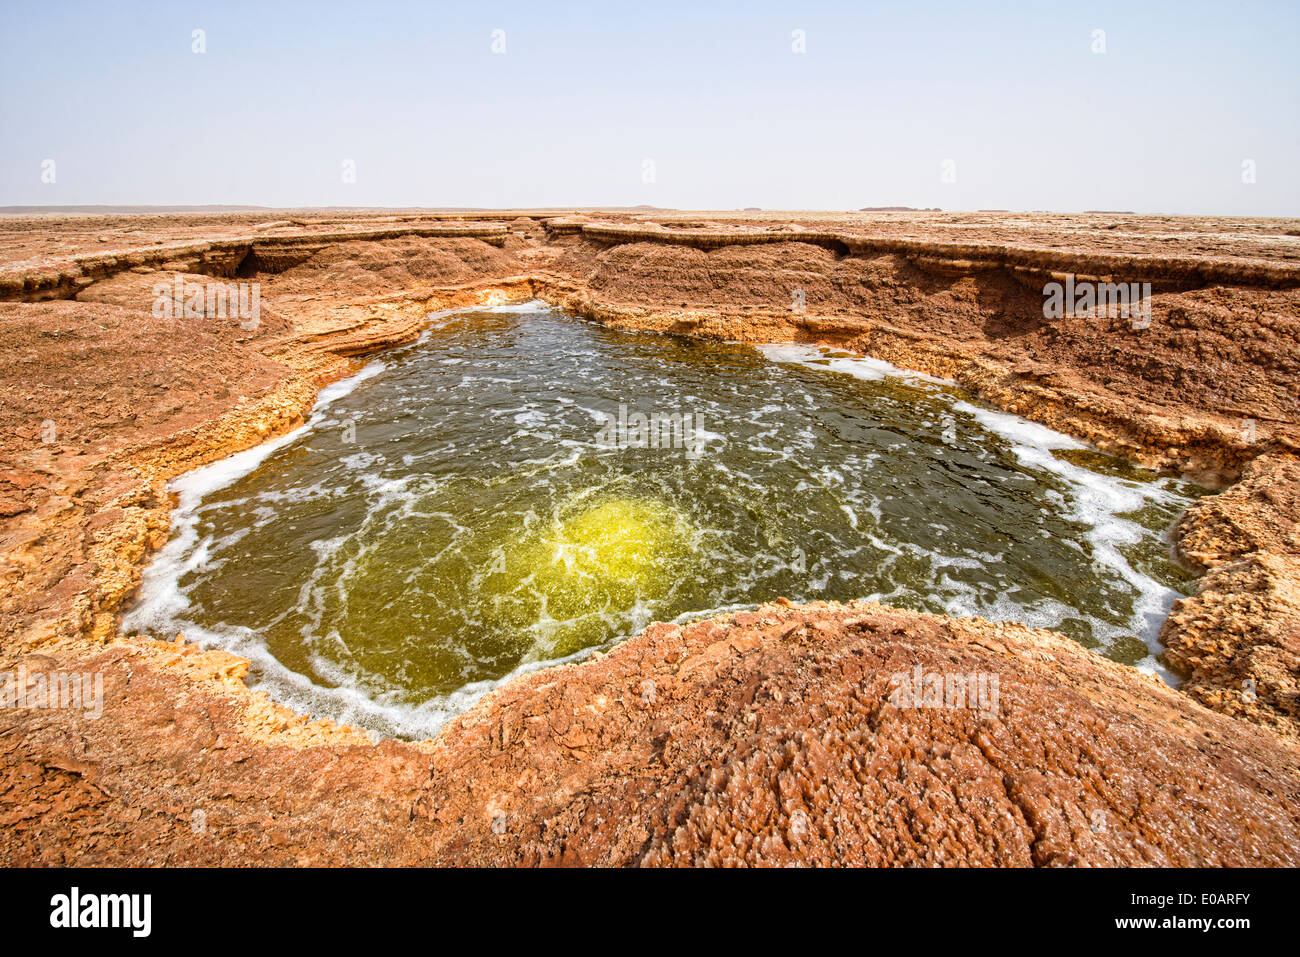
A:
x: 520, y: 487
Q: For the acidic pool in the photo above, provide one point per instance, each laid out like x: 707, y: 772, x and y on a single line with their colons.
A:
x: 520, y: 487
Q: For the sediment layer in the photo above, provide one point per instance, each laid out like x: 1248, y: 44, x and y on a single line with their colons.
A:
x: 755, y: 739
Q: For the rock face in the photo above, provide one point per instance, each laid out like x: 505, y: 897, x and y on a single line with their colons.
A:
x: 1238, y: 639
x: 1214, y: 374
x: 769, y: 737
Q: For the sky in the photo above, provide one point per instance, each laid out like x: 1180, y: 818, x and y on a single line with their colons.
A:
x: 1173, y: 107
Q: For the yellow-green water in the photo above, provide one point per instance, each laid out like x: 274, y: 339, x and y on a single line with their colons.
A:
x: 462, y: 514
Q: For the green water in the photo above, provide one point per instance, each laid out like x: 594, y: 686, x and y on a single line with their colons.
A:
x: 464, y: 513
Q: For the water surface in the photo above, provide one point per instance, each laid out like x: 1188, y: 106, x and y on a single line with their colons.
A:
x: 459, y: 513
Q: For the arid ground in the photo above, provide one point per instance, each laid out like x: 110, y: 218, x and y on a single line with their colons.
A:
x: 764, y: 737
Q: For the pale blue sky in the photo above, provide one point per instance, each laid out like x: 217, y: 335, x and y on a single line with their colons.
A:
x: 711, y: 92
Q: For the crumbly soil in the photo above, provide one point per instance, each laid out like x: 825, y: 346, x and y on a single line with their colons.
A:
x: 766, y: 737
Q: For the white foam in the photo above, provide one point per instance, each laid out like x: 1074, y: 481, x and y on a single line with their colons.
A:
x: 513, y: 308
x: 1097, y: 500
x: 352, y: 700
x: 160, y: 601
x: 860, y: 367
